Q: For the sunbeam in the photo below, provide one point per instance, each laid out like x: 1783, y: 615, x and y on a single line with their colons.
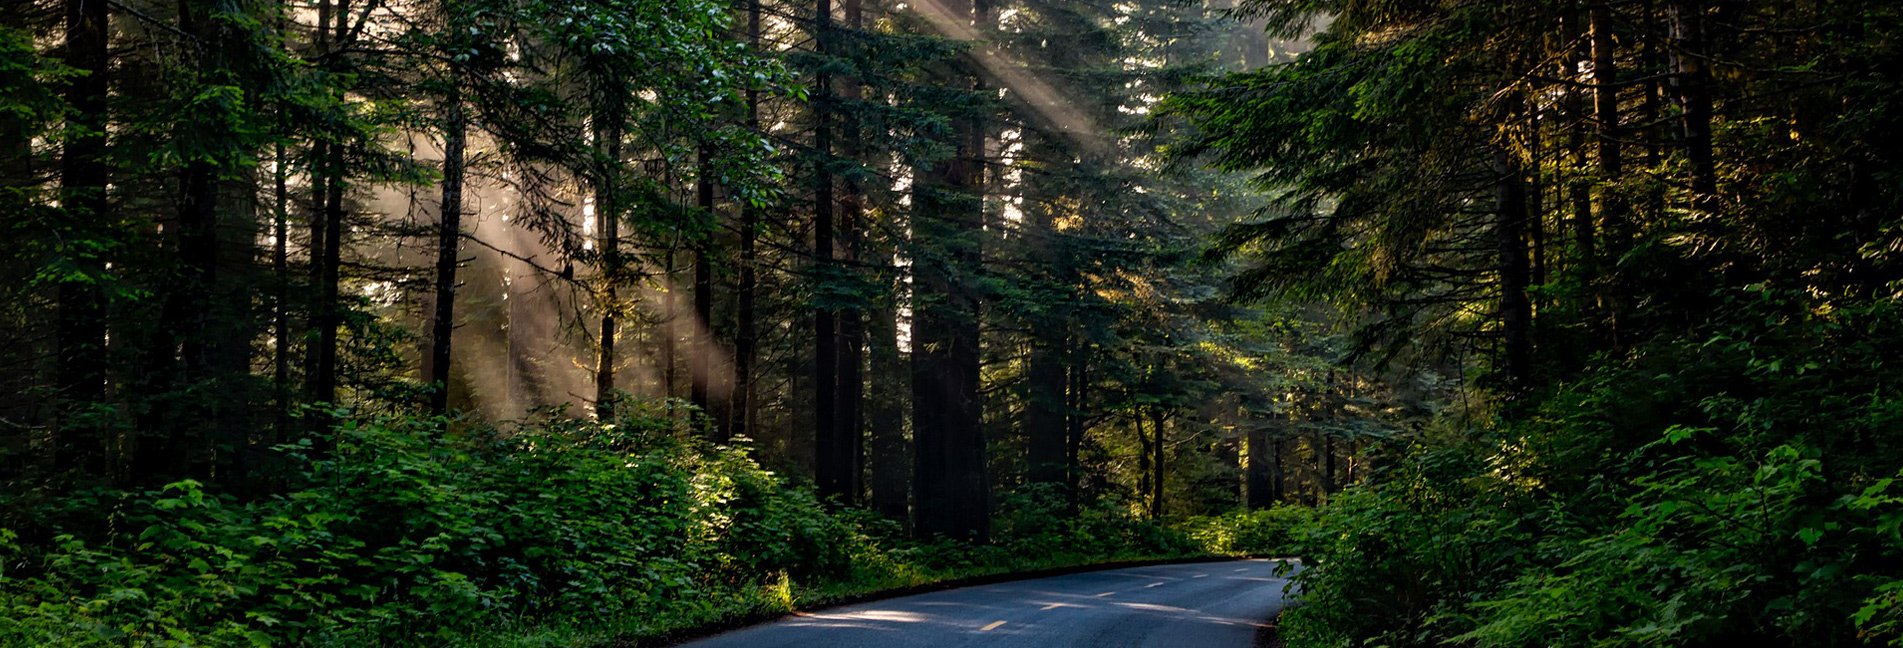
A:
x: 1045, y: 102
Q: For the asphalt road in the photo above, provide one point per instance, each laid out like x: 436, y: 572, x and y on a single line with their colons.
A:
x: 1201, y: 605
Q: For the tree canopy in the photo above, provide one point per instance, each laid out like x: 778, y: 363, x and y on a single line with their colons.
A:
x: 1527, y: 323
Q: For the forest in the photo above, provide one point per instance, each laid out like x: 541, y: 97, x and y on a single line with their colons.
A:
x: 603, y: 322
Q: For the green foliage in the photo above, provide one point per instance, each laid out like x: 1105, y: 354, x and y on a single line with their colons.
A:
x: 1380, y: 557
x: 405, y: 533
x: 1035, y: 522
x: 1259, y: 532
x: 1731, y: 489
x: 401, y: 529
x: 1689, y: 321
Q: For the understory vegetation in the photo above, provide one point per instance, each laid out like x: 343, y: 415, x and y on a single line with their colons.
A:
x: 1732, y: 489
x: 374, y: 322
x: 556, y: 532
x: 1523, y: 323
x: 1661, y: 239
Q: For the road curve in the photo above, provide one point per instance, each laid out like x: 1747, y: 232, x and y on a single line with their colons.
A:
x: 1201, y: 605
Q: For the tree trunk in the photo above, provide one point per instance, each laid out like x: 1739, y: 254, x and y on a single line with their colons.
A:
x: 1614, y: 220
x: 1255, y: 44
x: 852, y: 325
x: 1258, y: 473
x: 281, y: 270
x: 670, y: 317
x: 1278, y: 474
x: 1044, y: 421
x: 80, y: 326
x: 1516, y: 311
x: 700, y: 361
x: 17, y: 134
x: 1328, y: 465
x: 831, y: 449
x: 607, y: 134
x: 850, y: 353
x: 1077, y: 399
x: 951, y: 491
x: 1654, y: 55
x: 851, y: 410
x: 319, y: 175
x: 448, y: 247
x: 281, y: 315
x: 886, y: 415
x: 1048, y: 326
x: 197, y: 246
x: 1157, y: 420
x: 1144, y: 453
x: 1574, y: 232
x: 1691, y: 82
x: 744, y: 335
x: 232, y: 324
x: 1605, y: 100
x: 216, y: 249
x: 323, y: 374
x: 1536, y: 213
x: 327, y: 241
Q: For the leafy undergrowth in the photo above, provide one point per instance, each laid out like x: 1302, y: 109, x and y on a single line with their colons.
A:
x: 565, y: 532
x: 1739, y: 488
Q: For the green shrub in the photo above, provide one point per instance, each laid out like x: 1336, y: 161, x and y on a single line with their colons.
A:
x: 1036, y: 522
x: 568, y: 530
x: 402, y: 532
x: 1729, y: 489
x: 1261, y: 532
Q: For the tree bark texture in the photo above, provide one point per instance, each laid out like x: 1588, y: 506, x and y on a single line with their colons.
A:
x: 448, y: 247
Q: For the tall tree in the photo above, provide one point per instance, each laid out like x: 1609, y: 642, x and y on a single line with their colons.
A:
x: 1692, y: 96
x: 951, y: 494
x: 84, y: 174
x: 448, y: 243
x: 328, y: 185
x: 851, y: 412
x: 745, y: 329
x: 706, y: 344
x: 607, y: 118
x: 1516, y: 308
x: 833, y: 447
